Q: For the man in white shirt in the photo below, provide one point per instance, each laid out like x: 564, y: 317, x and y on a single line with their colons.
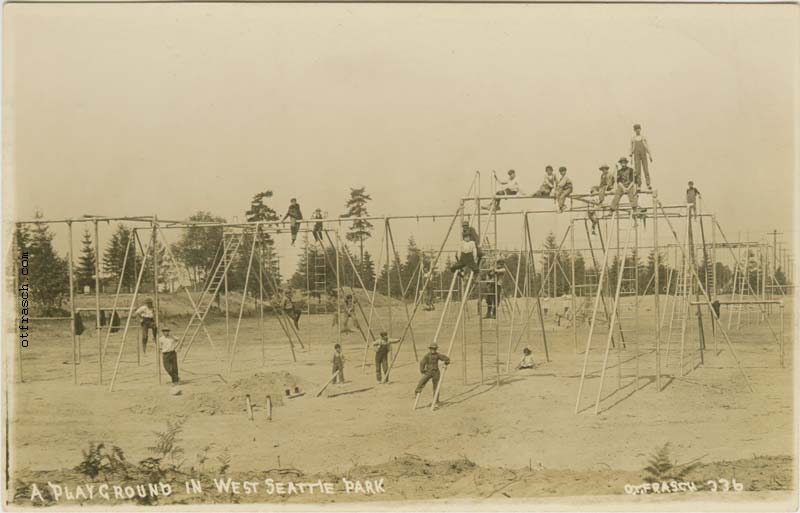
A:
x: 169, y: 355
x: 640, y: 154
x: 548, y: 187
x: 147, y: 316
x: 564, y: 189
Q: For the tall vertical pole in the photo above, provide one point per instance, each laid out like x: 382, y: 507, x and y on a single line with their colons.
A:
x: 17, y: 254
x: 135, y: 290
x: 339, y: 293
x: 225, y: 285
x: 261, y: 298
x: 572, y: 285
x: 154, y: 247
x: 72, y: 308
x: 98, y: 330
x: 715, y: 289
x: 388, y: 271
x: 656, y: 284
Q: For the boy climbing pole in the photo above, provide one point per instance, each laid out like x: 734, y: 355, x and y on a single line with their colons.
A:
x: 606, y: 186
x: 640, y: 153
x: 296, y: 216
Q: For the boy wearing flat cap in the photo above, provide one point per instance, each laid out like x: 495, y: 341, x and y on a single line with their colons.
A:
x: 429, y: 368
x: 640, y: 154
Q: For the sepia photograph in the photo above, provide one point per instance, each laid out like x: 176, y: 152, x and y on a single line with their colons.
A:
x: 301, y: 256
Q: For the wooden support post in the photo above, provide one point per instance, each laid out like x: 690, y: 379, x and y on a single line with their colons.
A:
x: 572, y: 282
x: 371, y: 310
x: 156, y: 335
x: 327, y: 383
x: 338, y: 293
x: 268, y: 403
x: 249, y: 406
x: 232, y: 355
x: 388, y: 273
x: 261, y: 302
x: 75, y: 350
x: 98, y: 330
x: 781, y: 333
x: 116, y: 296
x: 225, y: 287
x: 657, y: 291
x: 400, y: 283
x: 128, y: 323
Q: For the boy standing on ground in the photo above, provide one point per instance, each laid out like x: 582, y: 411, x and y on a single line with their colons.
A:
x: 382, y: 346
x: 296, y: 216
x: 169, y: 356
x: 640, y: 153
x: 564, y: 189
x: 146, y: 314
x: 429, y: 368
x: 338, y: 364
x: 691, y: 199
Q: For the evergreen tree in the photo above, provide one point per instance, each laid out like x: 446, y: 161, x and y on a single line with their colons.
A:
x: 259, y: 211
x: 48, y: 273
x: 199, y: 248
x: 360, y: 229
x: 85, y: 270
x: 367, y: 270
x: 114, y: 256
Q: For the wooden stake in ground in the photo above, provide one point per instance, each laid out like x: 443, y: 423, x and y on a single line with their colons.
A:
x: 249, y: 406
x: 268, y: 403
x: 326, y: 384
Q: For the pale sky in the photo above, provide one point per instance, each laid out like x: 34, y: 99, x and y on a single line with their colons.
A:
x: 141, y: 109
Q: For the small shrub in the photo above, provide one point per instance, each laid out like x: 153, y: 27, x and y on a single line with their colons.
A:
x: 661, y: 467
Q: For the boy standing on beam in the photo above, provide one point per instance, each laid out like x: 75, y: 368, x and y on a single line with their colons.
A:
x: 640, y: 153
x: 296, y: 216
x: 691, y: 199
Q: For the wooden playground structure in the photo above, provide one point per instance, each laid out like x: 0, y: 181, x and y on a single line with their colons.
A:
x: 605, y: 300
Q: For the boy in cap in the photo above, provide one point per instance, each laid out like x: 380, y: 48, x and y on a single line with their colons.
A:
x: 296, y: 216
x: 382, y: 346
x: 640, y: 153
x: 317, y: 230
x: 147, y: 316
x: 349, y: 313
x: 338, y: 364
x: 494, y: 288
x: 429, y: 368
x: 548, y: 185
x: 626, y: 184
x: 509, y: 187
x: 564, y: 189
x: 169, y: 355
x: 691, y: 199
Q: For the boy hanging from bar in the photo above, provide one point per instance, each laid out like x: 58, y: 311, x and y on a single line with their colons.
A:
x: 317, y: 230
x: 606, y: 186
x: 293, y: 212
x: 338, y: 364
x: 563, y: 189
x: 429, y: 368
x: 467, y: 257
x: 548, y: 187
x: 147, y: 316
x: 640, y: 153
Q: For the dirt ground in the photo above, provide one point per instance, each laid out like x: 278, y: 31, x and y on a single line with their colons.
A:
x: 528, y: 422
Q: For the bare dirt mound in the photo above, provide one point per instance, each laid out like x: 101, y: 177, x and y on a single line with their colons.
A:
x: 225, y: 398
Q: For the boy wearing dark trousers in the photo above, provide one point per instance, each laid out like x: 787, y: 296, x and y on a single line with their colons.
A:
x: 429, y: 368
x: 338, y: 364
x: 296, y: 216
x: 382, y: 346
x: 146, y: 314
x: 169, y: 355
